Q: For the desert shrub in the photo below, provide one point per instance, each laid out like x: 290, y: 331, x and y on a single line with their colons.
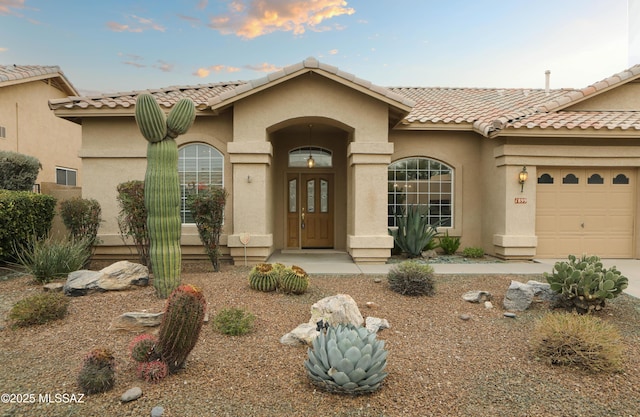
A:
x: 414, y: 233
x: 23, y: 215
x: 143, y: 348
x: 580, y: 341
x: 132, y: 218
x: 207, y: 209
x: 82, y: 218
x: 411, y: 278
x: 233, y: 322
x: 48, y: 259
x: 449, y: 244
x: 18, y: 172
x: 473, y: 252
x: 153, y: 371
x: 584, y: 283
x: 98, y: 371
x: 39, y: 309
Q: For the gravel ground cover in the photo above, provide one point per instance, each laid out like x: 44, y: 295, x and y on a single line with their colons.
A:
x: 438, y: 364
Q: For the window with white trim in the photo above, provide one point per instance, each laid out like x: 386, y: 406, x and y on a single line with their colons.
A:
x: 199, y: 167
x: 66, y: 176
x: 424, y: 182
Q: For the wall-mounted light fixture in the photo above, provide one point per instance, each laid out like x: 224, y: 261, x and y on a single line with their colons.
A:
x: 522, y: 177
x: 310, y: 161
x: 249, y: 179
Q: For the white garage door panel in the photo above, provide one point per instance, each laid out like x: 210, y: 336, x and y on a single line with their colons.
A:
x: 594, y: 216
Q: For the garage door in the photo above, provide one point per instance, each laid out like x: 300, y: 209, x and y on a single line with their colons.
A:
x: 585, y: 211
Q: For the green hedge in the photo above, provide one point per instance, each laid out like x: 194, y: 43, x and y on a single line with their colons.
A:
x: 23, y: 214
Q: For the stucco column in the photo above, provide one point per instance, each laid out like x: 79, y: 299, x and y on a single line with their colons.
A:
x: 518, y: 238
x: 252, y: 201
x: 368, y: 239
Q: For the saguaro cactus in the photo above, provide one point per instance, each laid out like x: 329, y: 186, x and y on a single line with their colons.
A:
x: 162, y: 186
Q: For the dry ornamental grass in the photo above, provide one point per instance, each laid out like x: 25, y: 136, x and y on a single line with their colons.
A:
x: 438, y: 364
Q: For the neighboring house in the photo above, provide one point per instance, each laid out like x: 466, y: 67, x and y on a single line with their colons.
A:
x: 27, y: 125
x: 458, y: 151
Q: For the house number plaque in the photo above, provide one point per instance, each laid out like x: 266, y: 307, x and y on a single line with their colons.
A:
x: 521, y: 200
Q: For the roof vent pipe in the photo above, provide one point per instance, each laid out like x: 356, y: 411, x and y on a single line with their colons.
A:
x: 547, y: 79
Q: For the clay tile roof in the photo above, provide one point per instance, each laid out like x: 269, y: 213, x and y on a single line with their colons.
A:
x: 484, y: 108
x: 313, y: 64
x: 609, y: 120
x: 17, y: 74
x: 167, y: 97
x: 574, y: 96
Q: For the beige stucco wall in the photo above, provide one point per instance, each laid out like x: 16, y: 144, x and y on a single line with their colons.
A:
x: 514, y: 227
x: 114, y: 152
x: 310, y: 98
x: 460, y: 150
x: 33, y: 129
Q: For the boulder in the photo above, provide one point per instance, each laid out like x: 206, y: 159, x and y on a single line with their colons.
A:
x: 477, y: 296
x: 118, y: 276
x: 301, y: 335
x: 136, y: 321
x: 518, y: 297
x: 543, y: 291
x: 374, y: 324
x: 53, y: 287
x: 336, y: 309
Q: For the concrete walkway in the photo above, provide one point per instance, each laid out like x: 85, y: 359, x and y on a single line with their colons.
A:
x: 340, y: 263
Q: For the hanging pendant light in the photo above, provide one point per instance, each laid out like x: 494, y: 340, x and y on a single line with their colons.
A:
x: 310, y: 161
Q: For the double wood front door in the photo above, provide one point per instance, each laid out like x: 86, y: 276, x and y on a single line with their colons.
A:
x: 310, y: 210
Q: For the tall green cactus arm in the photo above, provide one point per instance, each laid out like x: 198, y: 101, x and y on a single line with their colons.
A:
x: 162, y: 187
x: 162, y: 201
x: 150, y: 118
x: 180, y: 118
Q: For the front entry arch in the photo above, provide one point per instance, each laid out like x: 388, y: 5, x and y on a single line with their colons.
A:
x: 310, y: 210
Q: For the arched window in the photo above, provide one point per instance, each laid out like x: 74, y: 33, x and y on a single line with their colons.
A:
x: 299, y: 157
x: 424, y: 182
x: 545, y: 179
x: 199, y: 166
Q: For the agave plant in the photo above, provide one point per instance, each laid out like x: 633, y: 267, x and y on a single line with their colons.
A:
x: 347, y: 360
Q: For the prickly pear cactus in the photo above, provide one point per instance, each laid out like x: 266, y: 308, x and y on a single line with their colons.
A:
x: 162, y: 186
x: 347, y: 360
x: 584, y: 283
x: 181, y: 325
x: 264, y: 277
x: 293, y: 280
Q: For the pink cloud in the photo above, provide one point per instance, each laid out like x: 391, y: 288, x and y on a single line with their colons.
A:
x: 138, y: 25
x: 204, y: 72
x: 260, y: 17
x: 8, y: 7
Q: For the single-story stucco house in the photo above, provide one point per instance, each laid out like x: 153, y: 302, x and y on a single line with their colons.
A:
x: 375, y: 150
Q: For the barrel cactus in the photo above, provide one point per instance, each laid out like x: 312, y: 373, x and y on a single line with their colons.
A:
x: 293, y: 280
x: 162, y: 186
x: 347, y: 360
x: 264, y: 277
x: 181, y: 325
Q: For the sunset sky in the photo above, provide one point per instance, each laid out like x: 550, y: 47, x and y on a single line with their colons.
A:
x: 116, y: 45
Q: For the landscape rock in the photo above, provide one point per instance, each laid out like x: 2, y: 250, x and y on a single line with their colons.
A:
x: 488, y: 305
x: 53, y: 287
x: 543, y: 291
x: 429, y: 254
x: 131, y: 394
x: 477, y: 296
x: 372, y: 305
x: 510, y: 315
x: 336, y: 309
x: 136, y: 321
x: 157, y: 411
x: 464, y: 317
x: 374, y: 324
x: 518, y: 297
x: 304, y: 334
x: 118, y: 276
